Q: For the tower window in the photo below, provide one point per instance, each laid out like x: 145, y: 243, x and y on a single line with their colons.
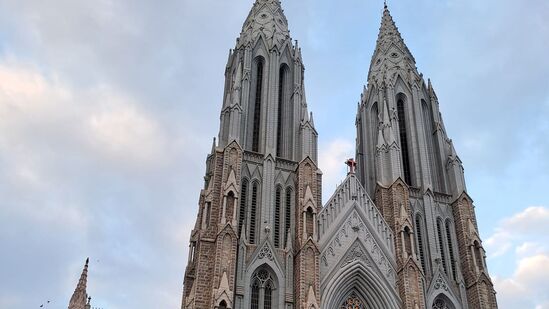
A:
x: 404, y: 142
x: 243, y: 204
x: 257, y: 106
x: 309, y: 224
x: 408, y: 241
x: 277, y: 217
x: 288, y: 215
x: 479, y: 255
x: 223, y: 305
x: 450, y: 249
x: 253, y: 213
x: 281, y: 112
x: 230, y: 206
x: 441, y: 246
x: 419, y: 235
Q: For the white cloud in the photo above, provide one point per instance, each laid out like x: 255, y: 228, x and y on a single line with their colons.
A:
x: 332, y: 162
x: 523, y: 231
x: 118, y: 129
x: 521, y: 240
x: 528, y: 286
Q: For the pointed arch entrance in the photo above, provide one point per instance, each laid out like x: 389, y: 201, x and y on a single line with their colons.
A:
x: 357, y: 286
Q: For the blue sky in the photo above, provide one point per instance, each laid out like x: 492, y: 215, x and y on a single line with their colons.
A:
x: 107, y: 110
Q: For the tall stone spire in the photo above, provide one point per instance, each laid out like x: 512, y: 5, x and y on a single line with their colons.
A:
x: 265, y: 158
x: 79, y: 299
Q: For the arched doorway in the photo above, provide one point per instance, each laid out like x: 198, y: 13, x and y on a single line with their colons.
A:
x: 356, y: 286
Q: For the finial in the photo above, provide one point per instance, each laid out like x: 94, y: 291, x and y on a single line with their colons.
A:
x: 351, y: 163
x: 385, y: 4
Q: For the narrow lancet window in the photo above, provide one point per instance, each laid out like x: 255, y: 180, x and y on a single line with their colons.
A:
x: 288, y: 215
x: 450, y: 249
x: 408, y: 241
x: 255, y: 295
x: 243, y: 204
x: 257, y: 106
x: 281, y: 111
x: 268, y: 295
x: 404, y: 142
x: 253, y: 213
x: 441, y: 246
x: 230, y: 206
x: 479, y: 255
x: 419, y: 236
x: 309, y: 224
x: 277, y: 217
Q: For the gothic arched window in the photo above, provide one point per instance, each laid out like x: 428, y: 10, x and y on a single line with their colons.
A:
x: 278, y: 194
x: 419, y: 239
x: 230, y: 205
x: 450, y: 249
x: 309, y: 218
x: 441, y: 246
x: 288, y: 214
x: 223, y: 305
x: 428, y: 129
x: 267, y: 303
x: 243, y: 204
x: 408, y: 241
x: 284, y: 113
x: 479, y: 255
x: 255, y: 295
x: 404, y: 141
x: 253, y: 212
x: 257, y: 104
x: 263, y: 287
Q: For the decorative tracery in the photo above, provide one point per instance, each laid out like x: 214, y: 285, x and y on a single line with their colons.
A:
x: 440, y: 304
x: 262, y: 290
x: 352, y: 302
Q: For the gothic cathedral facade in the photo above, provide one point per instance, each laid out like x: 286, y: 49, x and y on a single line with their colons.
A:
x: 399, y: 232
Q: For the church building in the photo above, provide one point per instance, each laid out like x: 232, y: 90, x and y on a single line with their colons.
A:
x: 400, y: 231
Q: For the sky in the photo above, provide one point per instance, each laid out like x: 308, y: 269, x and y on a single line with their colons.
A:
x: 108, y: 109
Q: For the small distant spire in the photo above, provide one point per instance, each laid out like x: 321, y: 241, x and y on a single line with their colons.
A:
x: 80, y: 296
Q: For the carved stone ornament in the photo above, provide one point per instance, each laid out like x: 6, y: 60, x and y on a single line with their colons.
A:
x: 440, y: 283
x: 356, y: 253
x: 266, y: 253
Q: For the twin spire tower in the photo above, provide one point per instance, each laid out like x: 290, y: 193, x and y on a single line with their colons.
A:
x: 400, y: 233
